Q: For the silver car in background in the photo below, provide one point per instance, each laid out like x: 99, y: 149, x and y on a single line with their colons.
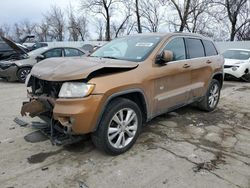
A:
x: 13, y: 70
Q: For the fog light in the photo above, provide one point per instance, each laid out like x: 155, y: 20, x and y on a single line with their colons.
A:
x: 234, y: 68
x: 72, y: 120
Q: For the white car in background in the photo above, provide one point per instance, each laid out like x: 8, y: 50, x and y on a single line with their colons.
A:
x: 237, y: 64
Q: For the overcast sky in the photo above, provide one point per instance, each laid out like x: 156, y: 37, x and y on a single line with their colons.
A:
x: 12, y: 11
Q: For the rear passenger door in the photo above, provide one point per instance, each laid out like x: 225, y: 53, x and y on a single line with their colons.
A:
x: 55, y: 52
x: 201, y: 66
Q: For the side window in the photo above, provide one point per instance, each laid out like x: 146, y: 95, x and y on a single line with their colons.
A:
x: 70, y: 52
x: 57, y: 52
x: 195, y: 48
x: 177, y: 46
x: 209, y: 48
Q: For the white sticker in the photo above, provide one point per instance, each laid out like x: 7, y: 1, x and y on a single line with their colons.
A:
x: 144, y: 44
x: 244, y: 53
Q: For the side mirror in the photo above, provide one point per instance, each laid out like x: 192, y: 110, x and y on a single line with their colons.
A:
x: 40, y: 58
x: 164, y: 57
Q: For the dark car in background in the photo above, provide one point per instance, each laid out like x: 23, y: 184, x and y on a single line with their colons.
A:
x: 36, y: 45
x: 7, y: 52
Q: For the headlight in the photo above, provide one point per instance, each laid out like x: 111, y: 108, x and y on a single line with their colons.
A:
x: 27, y: 80
x: 6, y: 64
x: 75, y: 90
x: 234, y: 68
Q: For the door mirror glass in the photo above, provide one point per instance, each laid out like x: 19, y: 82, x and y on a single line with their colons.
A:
x: 167, y: 55
x: 40, y: 58
x: 164, y: 57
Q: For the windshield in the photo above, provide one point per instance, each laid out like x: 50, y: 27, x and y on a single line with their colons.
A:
x: 131, y: 48
x: 236, y: 54
x: 37, y: 51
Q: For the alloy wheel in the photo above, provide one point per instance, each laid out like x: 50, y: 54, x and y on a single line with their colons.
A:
x: 213, y: 95
x: 122, y: 128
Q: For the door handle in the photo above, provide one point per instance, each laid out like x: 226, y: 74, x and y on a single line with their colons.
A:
x: 208, y: 62
x: 186, y: 65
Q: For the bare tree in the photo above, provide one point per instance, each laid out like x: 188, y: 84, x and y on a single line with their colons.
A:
x: 238, y: 13
x: 82, y: 27
x: 5, y: 30
x: 42, y: 31
x: 72, y: 24
x: 77, y: 25
x: 138, y: 16
x: 17, y: 32
x: 119, y: 27
x: 188, y: 11
x: 56, y: 21
x: 102, y: 7
x: 27, y: 27
x: 244, y: 32
x: 151, y: 14
x: 99, y: 29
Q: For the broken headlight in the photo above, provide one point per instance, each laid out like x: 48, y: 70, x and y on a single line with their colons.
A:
x: 75, y: 90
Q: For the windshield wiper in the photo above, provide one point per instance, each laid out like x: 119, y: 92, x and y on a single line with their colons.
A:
x: 109, y: 57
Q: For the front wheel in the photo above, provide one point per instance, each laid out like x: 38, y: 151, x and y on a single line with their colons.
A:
x: 211, y: 99
x: 119, y: 127
x: 23, y: 73
x: 246, y: 77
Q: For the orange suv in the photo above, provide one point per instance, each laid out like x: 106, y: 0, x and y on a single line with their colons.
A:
x: 122, y: 85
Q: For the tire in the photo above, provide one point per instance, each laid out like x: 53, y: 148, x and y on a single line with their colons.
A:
x: 213, y: 94
x: 23, y: 73
x: 106, y: 137
x: 246, y: 77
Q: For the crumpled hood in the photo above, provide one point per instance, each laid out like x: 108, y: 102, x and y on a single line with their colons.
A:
x: 62, y: 69
x: 234, y: 61
x: 14, y: 46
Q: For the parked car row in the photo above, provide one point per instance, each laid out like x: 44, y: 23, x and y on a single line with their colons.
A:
x: 19, y: 66
x: 127, y: 82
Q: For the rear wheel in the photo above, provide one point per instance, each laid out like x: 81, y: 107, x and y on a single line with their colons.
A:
x: 23, y: 73
x: 211, y: 99
x: 119, y: 127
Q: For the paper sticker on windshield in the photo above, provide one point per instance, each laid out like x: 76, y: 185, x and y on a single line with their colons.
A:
x: 144, y: 44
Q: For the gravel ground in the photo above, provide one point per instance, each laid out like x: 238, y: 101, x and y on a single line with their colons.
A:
x: 185, y: 148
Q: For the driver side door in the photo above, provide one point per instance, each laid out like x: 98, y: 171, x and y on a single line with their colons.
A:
x: 173, y: 79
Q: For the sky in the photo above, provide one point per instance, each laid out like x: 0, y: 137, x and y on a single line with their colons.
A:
x: 13, y: 11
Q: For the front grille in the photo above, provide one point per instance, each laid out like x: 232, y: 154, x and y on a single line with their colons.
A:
x: 230, y: 66
x: 48, y: 88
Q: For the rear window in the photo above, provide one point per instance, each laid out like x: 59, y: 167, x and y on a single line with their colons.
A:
x: 195, y: 48
x: 209, y: 48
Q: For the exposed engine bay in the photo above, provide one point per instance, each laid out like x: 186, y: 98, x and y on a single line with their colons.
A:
x: 42, y: 95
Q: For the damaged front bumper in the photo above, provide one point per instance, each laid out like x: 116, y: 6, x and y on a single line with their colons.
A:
x: 76, y: 116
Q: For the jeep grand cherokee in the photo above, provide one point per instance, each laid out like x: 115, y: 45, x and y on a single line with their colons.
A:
x: 124, y: 84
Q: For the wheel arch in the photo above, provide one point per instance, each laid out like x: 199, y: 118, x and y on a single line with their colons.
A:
x: 135, y: 95
x: 21, y: 67
x: 218, y: 76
